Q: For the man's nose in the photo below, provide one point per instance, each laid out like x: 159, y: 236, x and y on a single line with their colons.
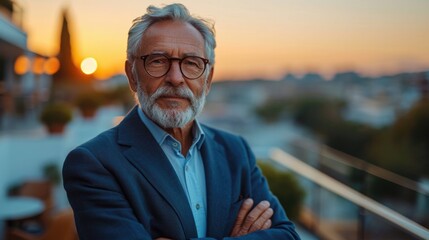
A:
x: 174, y: 75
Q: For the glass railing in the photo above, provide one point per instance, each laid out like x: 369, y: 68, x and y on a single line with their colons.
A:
x: 335, y: 210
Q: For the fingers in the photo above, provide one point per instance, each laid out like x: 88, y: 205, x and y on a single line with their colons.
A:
x: 263, y: 220
x: 244, y: 210
x: 266, y: 225
x: 256, y: 217
x: 250, y: 220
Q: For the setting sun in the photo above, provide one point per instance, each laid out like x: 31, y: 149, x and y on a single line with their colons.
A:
x: 88, y: 65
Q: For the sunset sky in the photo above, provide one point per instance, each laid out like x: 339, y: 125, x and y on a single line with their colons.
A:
x: 255, y: 38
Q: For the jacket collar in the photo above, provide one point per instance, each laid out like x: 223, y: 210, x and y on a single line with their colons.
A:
x: 218, y: 184
x: 147, y: 156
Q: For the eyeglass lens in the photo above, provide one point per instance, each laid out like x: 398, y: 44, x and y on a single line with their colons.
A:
x: 157, y: 65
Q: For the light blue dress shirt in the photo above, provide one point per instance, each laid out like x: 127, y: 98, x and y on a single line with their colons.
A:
x: 189, y: 168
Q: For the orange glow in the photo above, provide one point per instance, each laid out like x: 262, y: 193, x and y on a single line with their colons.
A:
x: 22, y: 65
x: 371, y: 37
x: 38, y: 65
x: 88, y: 65
x: 51, y: 65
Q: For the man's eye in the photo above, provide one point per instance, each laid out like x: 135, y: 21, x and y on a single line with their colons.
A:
x: 191, y: 63
x: 158, y: 61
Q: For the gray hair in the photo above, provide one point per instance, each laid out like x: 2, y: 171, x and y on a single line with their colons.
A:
x: 170, y: 12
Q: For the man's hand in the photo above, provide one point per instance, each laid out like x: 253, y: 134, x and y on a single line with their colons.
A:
x: 259, y: 218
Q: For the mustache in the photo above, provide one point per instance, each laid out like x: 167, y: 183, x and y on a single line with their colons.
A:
x: 165, y: 91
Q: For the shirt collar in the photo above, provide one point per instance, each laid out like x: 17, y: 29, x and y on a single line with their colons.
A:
x: 160, y: 135
x: 198, y: 133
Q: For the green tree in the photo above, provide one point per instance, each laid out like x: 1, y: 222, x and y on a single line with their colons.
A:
x: 324, y: 117
x: 286, y: 187
x: 272, y: 110
x: 404, y: 147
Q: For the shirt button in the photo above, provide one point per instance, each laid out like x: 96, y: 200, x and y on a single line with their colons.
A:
x: 197, y: 206
x: 175, y: 144
x: 186, y: 168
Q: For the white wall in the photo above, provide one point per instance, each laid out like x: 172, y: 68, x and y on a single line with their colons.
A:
x: 23, y: 156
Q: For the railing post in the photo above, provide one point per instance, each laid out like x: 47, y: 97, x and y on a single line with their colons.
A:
x: 361, y: 223
x: 361, y: 210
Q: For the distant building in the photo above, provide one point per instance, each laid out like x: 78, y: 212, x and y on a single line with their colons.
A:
x: 24, y: 79
x: 69, y: 79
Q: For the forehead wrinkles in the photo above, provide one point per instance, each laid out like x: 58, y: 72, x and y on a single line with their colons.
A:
x: 169, y: 35
x: 165, y: 41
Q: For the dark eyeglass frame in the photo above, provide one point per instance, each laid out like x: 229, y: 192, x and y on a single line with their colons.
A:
x: 170, y: 59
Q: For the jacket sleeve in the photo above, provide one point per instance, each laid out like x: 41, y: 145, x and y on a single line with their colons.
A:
x: 282, y: 227
x: 100, y: 210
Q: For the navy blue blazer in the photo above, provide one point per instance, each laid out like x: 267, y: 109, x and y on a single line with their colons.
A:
x: 121, y: 186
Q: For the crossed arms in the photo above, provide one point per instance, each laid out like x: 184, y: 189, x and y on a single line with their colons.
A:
x: 109, y: 204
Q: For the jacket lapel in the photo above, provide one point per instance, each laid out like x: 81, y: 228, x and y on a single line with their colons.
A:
x: 147, y: 156
x: 218, y: 184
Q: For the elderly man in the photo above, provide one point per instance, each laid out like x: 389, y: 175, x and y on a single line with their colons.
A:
x: 160, y: 174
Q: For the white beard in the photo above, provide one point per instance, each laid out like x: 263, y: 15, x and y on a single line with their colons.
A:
x: 171, y: 118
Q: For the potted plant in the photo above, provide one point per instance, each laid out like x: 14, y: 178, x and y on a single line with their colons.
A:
x: 55, y: 116
x: 88, y: 103
x: 52, y: 173
x: 121, y: 96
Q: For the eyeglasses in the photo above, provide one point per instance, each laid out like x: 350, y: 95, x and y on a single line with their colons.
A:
x: 158, y: 65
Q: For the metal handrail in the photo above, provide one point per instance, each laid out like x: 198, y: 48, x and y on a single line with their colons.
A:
x: 362, y: 165
x: 373, y: 169
x: 348, y: 193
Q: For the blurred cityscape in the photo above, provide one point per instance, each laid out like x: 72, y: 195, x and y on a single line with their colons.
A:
x: 369, y: 133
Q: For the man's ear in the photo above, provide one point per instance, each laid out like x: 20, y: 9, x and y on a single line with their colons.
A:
x: 129, y: 71
x: 209, y: 80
